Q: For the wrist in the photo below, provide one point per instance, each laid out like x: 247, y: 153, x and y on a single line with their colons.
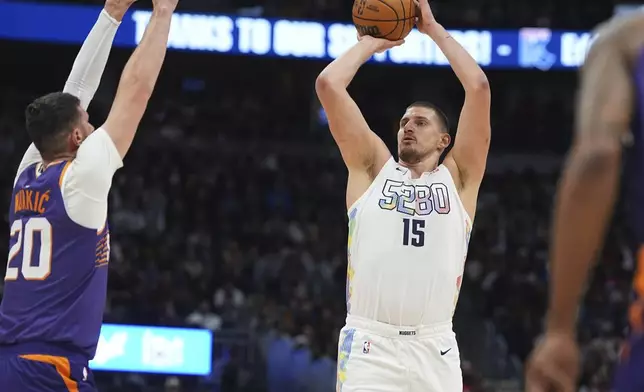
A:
x: 368, y: 45
x: 560, y: 325
x: 114, y: 12
x: 162, y: 12
x: 436, y: 31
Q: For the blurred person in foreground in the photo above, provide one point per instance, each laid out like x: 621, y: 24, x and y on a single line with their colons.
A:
x: 609, y: 115
x: 56, y: 277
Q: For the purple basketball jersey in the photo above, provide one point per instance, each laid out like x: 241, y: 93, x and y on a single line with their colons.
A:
x: 56, y: 280
x: 629, y: 376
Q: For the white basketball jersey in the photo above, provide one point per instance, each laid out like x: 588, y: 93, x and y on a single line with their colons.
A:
x: 407, y: 245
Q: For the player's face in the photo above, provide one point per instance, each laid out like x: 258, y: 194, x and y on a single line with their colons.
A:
x: 420, y: 135
x: 83, y: 128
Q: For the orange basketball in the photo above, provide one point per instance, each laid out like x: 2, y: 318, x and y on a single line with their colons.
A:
x: 390, y: 19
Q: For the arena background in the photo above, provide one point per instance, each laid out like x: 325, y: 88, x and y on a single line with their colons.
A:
x: 228, y: 217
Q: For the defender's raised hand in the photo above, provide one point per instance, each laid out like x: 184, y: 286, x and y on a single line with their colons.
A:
x: 118, y: 8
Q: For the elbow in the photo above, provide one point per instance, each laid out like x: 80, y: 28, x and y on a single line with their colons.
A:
x: 325, y: 83
x: 141, y: 95
x: 137, y: 81
x: 479, y: 85
x: 596, y: 161
x: 144, y: 93
x: 140, y: 89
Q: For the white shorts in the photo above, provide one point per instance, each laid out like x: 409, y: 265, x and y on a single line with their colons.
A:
x: 378, y: 357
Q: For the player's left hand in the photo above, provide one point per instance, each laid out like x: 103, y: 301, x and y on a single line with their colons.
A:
x: 118, y: 8
x: 425, y: 21
x: 554, y: 364
x: 379, y: 45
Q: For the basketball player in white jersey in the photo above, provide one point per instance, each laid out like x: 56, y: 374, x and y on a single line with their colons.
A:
x: 409, y: 225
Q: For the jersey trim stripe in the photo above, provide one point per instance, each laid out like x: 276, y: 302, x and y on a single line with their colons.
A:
x: 62, y: 367
x: 61, y: 180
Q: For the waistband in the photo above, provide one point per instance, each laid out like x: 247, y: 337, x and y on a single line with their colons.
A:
x: 397, y: 331
x: 42, y: 348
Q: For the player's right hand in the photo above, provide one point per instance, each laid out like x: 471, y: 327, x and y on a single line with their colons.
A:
x: 379, y: 45
x: 169, y: 5
x: 118, y: 8
x: 554, y: 364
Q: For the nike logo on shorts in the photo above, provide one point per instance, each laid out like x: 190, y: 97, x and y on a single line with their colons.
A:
x: 445, y: 352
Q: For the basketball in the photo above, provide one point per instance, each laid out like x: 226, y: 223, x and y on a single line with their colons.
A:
x: 389, y: 19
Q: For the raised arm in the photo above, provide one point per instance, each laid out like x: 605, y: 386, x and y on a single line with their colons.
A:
x: 363, y: 152
x: 89, y: 65
x: 469, y: 153
x: 139, y: 78
x: 361, y: 149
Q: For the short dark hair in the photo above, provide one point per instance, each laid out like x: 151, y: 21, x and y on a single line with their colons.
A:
x: 49, y: 119
x: 442, y: 117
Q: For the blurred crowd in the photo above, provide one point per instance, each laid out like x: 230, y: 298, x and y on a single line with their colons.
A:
x: 229, y: 213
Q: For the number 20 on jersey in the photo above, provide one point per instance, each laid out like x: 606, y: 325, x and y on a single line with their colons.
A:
x: 415, y: 200
x: 25, y: 235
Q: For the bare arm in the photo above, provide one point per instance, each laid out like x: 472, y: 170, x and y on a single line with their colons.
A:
x: 139, y: 78
x: 468, y: 157
x: 589, y: 183
x: 472, y: 140
x: 361, y: 149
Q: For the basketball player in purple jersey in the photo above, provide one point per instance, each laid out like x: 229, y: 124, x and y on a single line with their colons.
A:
x: 56, y: 278
x: 609, y: 115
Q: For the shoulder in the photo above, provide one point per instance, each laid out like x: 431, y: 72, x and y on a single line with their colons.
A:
x: 618, y: 25
x: 26, y: 171
x: 100, y: 146
x: 30, y: 159
x: 96, y: 160
x: 621, y: 34
x: 86, y: 181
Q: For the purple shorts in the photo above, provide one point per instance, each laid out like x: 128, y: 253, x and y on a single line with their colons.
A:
x: 44, y: 373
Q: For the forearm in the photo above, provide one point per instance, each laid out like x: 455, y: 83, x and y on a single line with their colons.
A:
x: 142, y: 70
x: 583, y: 209
x: 89, y: 65
x: 342, y: 70
x: 468, y: 72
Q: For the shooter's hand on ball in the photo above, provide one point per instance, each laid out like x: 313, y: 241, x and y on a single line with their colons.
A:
x: 425, y: 22
x: 379, y: 45
x: 118, y: 8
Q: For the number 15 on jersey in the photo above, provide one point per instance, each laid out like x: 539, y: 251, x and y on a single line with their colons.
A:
x: 413, y: 232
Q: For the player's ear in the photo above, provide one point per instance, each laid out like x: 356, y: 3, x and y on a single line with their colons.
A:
x: 445, y: 140
x: 76, y: 137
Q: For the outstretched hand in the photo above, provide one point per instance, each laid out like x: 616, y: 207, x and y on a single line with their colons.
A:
x: 118, y: 8
x: 379, y: 45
